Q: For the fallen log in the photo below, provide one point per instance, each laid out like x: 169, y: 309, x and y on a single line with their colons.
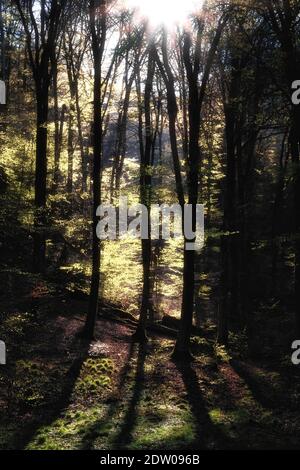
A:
x: 174, y: 323
x: 127, y: 319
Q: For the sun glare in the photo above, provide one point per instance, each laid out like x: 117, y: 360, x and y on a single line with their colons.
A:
x: 168, y: 13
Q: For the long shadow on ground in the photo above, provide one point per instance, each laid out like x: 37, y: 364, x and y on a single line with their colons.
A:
x: 93, y: 430
x: 124, y: 436
x: 208, y: 435
x: 58, y: 399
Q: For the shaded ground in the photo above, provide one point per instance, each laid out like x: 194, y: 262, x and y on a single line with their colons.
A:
x: 59, y: 393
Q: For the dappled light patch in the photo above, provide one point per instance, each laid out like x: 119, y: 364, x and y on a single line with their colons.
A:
x: 66, y: 432
x: 221, y: 353
x: 169, y: 427
x: 15, y: 324
x: 231, y: 422
x: 95, y: 378
x: 98, y: 349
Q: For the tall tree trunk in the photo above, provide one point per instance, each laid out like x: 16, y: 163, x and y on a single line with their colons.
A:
x: 41, y: 45
x: 145, y: 195
x: 71, y: 137
x: 228, y: 240
x: 59, y: 118
x: 182, y: 347
x: 169, y: 81
x: 197, y: 93
x: 277, y: 207
x: 98, y: 30
x: 58, y: 146
x: 83, y: 157
x: 56, y: 124
x: 39, y: 239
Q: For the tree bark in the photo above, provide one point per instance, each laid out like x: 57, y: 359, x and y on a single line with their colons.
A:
x: 98, y: 31
x: 197, y: 93
x: 145, y: 196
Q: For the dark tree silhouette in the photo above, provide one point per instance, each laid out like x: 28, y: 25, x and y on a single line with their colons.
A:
x: 41, y: 37
x: 98, y: 34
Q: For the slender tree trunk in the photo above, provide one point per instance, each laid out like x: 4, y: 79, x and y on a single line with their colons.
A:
x: 228, y: 240
x: 56, y: 124
x: 123, y: 139
x: 277, y: 207
x: 71, y: 138
x: 39, y: 241
x: 58, y: 147
x: 169, y: 81
x: 41, y: 45
x: 145, y: 191
x: 197, y: 93
x: 182, y: 347
x: 59, y: 117
x: 98, y: 29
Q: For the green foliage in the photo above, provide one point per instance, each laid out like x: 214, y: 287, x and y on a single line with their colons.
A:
x: 67, y: 431
x: 33, y: 383
x: 221, y: 353
x: 167, y: 428
x: 95, y: 376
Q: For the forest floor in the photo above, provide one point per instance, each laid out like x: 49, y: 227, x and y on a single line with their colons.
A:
x: 58, y: 392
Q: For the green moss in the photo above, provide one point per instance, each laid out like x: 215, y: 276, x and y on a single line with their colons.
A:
x: 95, y: 377
x: 169, y: 437
x: 217, y: 416
x: 164, y: 427
x: 234, y: 423
x: 33, y: 383
x: 68, y: 431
